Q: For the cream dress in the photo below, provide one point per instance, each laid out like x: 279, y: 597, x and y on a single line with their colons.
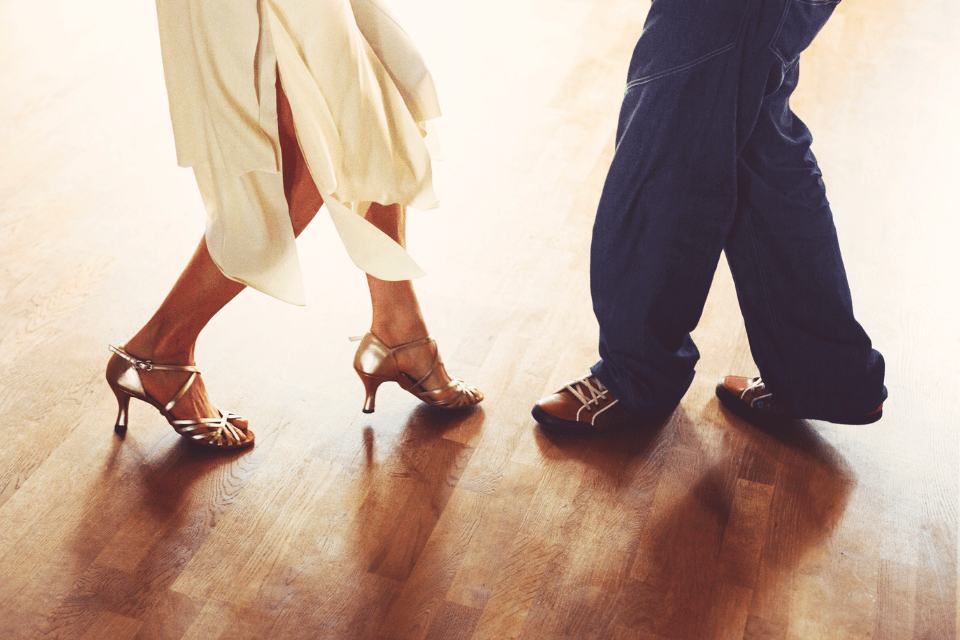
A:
x: 360, y: 95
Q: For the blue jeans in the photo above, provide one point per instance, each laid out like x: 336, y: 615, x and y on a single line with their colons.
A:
x: 710, y: 158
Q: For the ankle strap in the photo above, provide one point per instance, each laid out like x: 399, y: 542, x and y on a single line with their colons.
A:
x: 412, y: 344
x: 148, y: 365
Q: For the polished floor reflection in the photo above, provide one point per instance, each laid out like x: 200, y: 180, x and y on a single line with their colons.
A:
x: 412, y: 523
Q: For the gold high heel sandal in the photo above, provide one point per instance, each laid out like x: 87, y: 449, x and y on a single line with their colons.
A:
x: 376, y: 363
x: 123, y: 376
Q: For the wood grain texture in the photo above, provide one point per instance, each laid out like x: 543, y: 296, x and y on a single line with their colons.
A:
x: 411, y: 523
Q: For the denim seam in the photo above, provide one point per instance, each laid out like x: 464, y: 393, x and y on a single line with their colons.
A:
x: 776, y: 36
x: 773, y: 317
x: 680, y: 68
x: 783, y: 18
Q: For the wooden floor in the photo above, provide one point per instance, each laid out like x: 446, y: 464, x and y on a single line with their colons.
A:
x: 410, y: 523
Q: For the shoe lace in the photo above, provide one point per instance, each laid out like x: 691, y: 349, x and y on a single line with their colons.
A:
x: 755, y: 388
x: 591, y: 395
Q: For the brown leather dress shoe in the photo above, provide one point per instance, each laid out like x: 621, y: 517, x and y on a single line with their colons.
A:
x: 582, y: 406
x: 750, y: 399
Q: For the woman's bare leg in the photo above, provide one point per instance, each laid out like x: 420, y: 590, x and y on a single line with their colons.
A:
x: 170, y: 336
x: 396, y: 311
x: 397, y: 318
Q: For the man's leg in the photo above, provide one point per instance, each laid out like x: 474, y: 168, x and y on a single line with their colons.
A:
x: 815, y: 359
x: 666, y: 209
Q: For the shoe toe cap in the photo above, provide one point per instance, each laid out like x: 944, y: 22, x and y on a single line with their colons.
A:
x: 734, y: 384
x: 559, y: 405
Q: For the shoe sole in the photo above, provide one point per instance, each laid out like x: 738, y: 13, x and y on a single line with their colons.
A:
x: 732, y: 402
x: 554, y: 424
x: 870, y: 418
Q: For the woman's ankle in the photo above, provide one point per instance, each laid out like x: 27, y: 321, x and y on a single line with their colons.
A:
x: 400, y: 331
x: 148, y: 345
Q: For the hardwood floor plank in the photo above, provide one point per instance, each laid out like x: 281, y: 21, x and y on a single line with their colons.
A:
x: 812, y: 488
x: 249, y: 623
x: 414, y: 614
x: 505, y: 614
x: 453, y: 622
x: 258, y: 538
x: 112, y: 627
x: 337, y: 603
x: 494, y: 452
x: 395, y: 556
x: 745, y: 533
x: 126, y: 550
x: 170, y: 617
x: 136, y: 593
x: 548, y: 516
x: 934, y: 612
x: 211, y: 621
x: 896, y: 601
x: 761, y: 629
x: 37, y: 527
x: 620, y: 478
x: 676, y: 564
x: 497, y: 526
x: 621, y: 633
x: 579, y: 595
x: 728, y: 617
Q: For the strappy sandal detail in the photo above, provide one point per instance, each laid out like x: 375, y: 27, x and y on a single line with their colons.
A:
x: 123, y: 376
x: 376, y: 363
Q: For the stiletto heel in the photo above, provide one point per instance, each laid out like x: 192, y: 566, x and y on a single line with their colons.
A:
x: 123, y: 400
x: 123, y: 376
x: 370, y: 386
x: 376, y: 363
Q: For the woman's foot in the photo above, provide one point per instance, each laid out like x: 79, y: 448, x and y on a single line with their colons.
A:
x: 416, y: 362
x: 399, y: 347
x: 163, y: 386
x: 416, y: 366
